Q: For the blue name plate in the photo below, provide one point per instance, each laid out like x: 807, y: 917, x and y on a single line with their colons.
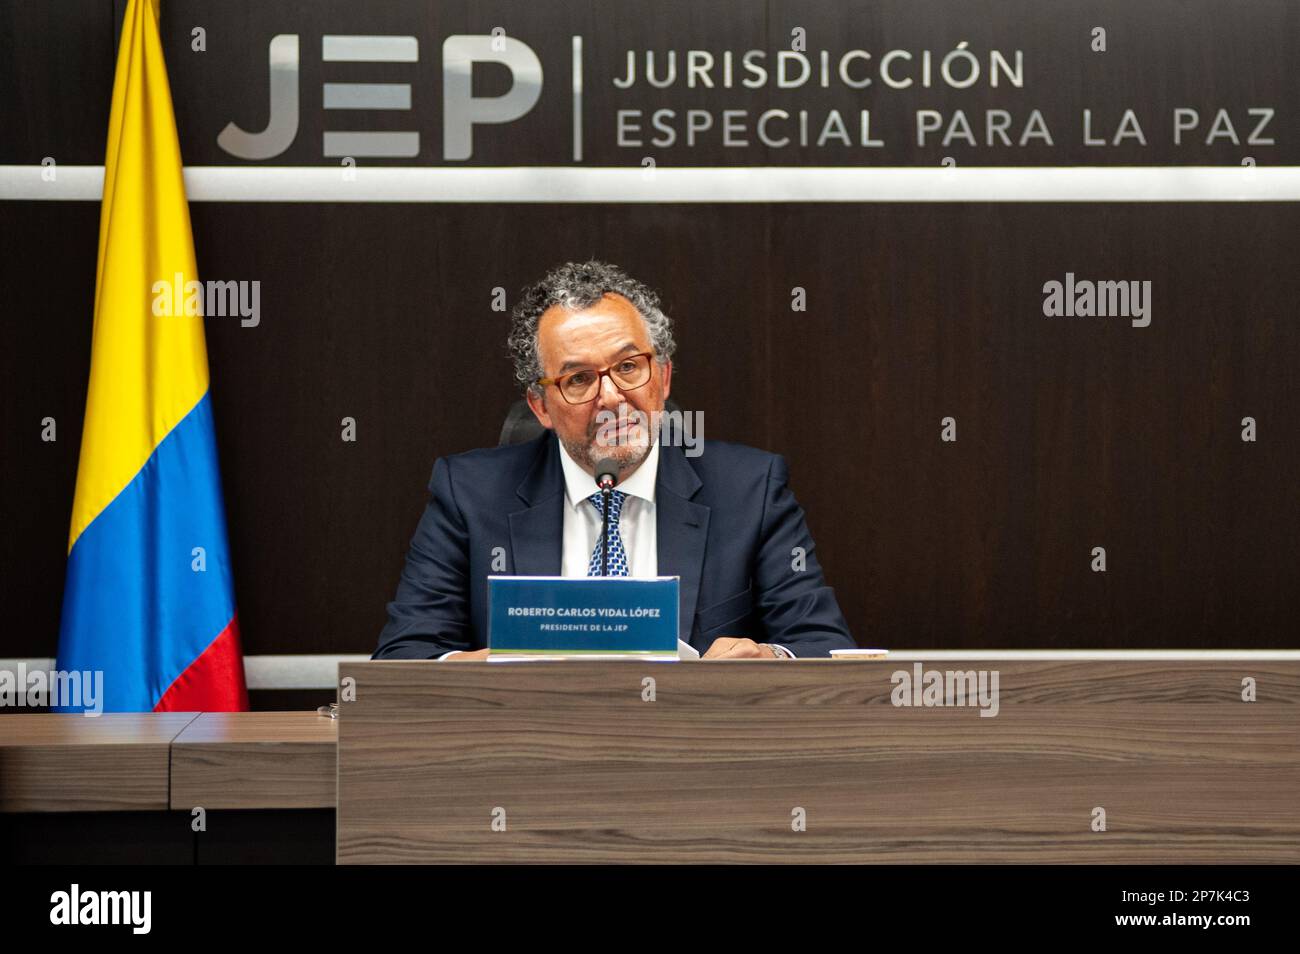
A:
x: 581, y: 616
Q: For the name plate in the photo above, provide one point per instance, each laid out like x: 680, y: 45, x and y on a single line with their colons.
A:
x: 582, y: 616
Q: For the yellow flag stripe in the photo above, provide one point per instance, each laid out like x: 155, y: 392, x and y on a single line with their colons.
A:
x: 147, y: 371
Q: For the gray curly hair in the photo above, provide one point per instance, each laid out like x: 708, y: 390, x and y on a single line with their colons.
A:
x: 578, y: 285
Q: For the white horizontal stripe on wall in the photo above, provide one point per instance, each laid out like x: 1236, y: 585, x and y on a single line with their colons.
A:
x: 580, y: 184
x: 261, y: 672
x: 320, y: 671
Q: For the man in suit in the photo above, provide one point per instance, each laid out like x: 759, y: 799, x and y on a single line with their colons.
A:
x: 593, y: 352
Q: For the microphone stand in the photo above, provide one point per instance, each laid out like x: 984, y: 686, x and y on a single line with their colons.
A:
x: 607, y: 498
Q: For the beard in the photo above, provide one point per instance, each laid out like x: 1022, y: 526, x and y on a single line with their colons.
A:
x: 628, y: 452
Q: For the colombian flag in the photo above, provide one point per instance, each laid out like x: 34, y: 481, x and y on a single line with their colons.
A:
x: 149, y: 597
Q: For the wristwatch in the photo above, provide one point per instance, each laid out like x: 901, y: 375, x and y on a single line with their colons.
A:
x: 775, y: 652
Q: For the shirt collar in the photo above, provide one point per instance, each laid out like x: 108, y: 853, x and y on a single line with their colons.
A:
x: 579, y: 485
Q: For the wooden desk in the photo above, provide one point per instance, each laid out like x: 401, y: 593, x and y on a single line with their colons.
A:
x: 59, y: 762
x: 255, y: 760
x: 586, y: 770
x: 149, y: 761
x: 118, y: 789
x: 582, y: 769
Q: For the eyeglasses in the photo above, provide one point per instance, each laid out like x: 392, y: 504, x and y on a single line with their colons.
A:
x: 579, y: 387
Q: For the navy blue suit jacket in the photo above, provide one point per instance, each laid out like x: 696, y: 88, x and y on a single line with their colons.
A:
x: 726, y: 523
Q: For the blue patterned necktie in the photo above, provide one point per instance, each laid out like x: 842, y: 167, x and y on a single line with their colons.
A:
x: 617, y: 555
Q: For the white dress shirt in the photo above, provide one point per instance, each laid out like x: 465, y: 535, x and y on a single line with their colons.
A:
x: 636, y: 521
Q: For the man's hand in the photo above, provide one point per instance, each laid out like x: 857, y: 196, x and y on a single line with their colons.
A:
x: 470, y: 656
x: 732, y: 647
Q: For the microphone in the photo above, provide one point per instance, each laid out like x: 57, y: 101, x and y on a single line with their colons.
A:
x: 606, y: 473
x: 606, y: 478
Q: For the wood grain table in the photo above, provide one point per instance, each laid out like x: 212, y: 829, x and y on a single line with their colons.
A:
x: 60, y: 762
x: 149, y: 761
x: 255, y: 760
x: 812, y: 761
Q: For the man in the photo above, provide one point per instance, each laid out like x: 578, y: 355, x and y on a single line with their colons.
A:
x: 593, y: 352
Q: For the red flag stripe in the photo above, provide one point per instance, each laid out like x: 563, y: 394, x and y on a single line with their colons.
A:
x: 212, y: 683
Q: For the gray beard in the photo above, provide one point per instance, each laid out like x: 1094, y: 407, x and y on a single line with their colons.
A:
x: 629, y: 456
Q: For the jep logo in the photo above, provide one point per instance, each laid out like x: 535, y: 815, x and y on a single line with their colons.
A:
x: 461, y: 109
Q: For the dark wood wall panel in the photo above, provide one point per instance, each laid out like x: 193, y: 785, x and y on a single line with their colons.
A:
x: 1072, y: 433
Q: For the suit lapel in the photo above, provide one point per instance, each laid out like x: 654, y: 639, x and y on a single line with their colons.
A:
x: 682, y: 528
x: 537, y: 531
